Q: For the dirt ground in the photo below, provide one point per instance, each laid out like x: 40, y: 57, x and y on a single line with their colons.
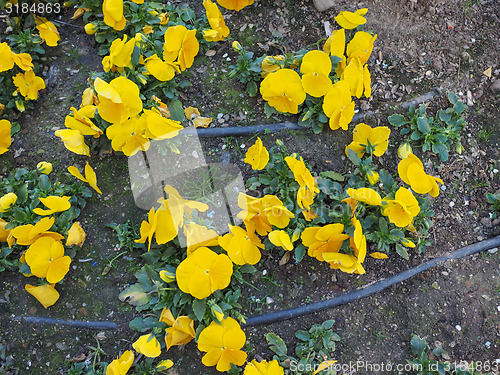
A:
x: 420, y: 45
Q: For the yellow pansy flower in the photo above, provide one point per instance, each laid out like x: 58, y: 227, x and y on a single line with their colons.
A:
x: 335, y: 44
x: 113, y: 14
x: 147, y: 345
x: 281, y: 238
x: 257, y: 155
x: 81, y: 122
x: 159, y: 127
x: 120, y: 54
x: 46, y: 294
x: 338, y: 105
x: 7, y: 201
x: 365, y: 195
x: 180, y: 330
x: 76, y: 235
x: 263, y: 368
x: 283, y: 90
x: 121, y: 365
x: 402, y: 209
x: 199, y: 236
x: 362, y: 134
x: 44, y: 167
x: 241, y: 247
x: 204, y: 272
x: 411, y: 171
x: 118, y: 100
x: 54, y: 204
x: 270, y: 64
x: 161, y: 70
x: 73, y: 141
x: 222, y: 342
x: 320, y: 240
x: 218, y: 30
x: 350, y: 20
x: 5, y: 138
x: 315, y: 68
x: 235, y: 4
x: 48, y: 32
x: 28, y: 84
x: 46, y: 259
x: 358, y: 77
x: 181, y: 46
x: 361, y: 46
x: 27, y: 234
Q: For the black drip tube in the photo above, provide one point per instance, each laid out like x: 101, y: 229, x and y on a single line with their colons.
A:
x: 70, y: 323
x: 371, y: 289
x: 288, y: 125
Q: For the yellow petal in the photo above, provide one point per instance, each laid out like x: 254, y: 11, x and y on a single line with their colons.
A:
x: 45, y: 294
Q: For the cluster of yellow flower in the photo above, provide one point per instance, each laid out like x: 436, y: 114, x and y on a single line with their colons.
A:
x: 45, y: 250
x: 285, y: 90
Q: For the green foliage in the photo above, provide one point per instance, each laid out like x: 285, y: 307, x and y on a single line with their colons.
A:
x: 436, y: 134
x: 29, y: 187
x: 248, y: 70
x: 127, y: 233
x: 494, y: 201
x: 314, y: 346
x: 437, y: 361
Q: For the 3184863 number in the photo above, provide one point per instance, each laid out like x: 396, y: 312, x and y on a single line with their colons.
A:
x: 40, y: 8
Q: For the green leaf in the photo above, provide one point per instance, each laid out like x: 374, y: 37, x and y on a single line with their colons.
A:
x: 354, y: 157
x: 423, y: 125
x: 135, y: 295
x: 22, y: 193
x: 252, y: 88
x: 14, y: 128
x: 137, y: 324
x: 176, y: 110
x: 452, y: 98
x: 386, y: 179
x: 269, y: 110
x: 328, y: 324
x: 300, y: 251
x: 459, y: 107
x: 276, y: 344
x: 397, y: 120
x: 302, y: 335
x: 136, y: 54
x: 415, y: 135
x: 44, y: 182
x: 332, y: 176
x: 402, y: 251
x: 418, y: 346
x: 199, y: 308
x: 441, y: 149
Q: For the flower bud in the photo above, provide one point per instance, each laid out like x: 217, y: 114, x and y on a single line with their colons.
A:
x: 44, y: 167
x: 164, y: 365
x: 7, y: 201
x: 404, y: 150
x: 373, y: 177
x: 459, y: 148
x: 406, y: 242
x: 167, y: 276
x: 237, y: 46
x: 217, y: 312
x: 91, y: 28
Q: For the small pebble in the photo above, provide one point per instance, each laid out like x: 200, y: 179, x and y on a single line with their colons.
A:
x: 452, y: 204
x: 487, y: 344
x: 264, y: 272
x: 269, y: 300
x: 458, y: 328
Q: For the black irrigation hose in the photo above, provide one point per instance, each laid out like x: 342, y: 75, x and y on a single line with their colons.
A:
x: 371, y: 289
x: 70, y: 323
x: 253, y: 129
x: 291, y: 313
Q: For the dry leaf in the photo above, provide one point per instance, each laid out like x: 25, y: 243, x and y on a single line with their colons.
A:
x: 202, y: 122
x: 487, y: 72
x: 210, y: 53
x: 285, y: 259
